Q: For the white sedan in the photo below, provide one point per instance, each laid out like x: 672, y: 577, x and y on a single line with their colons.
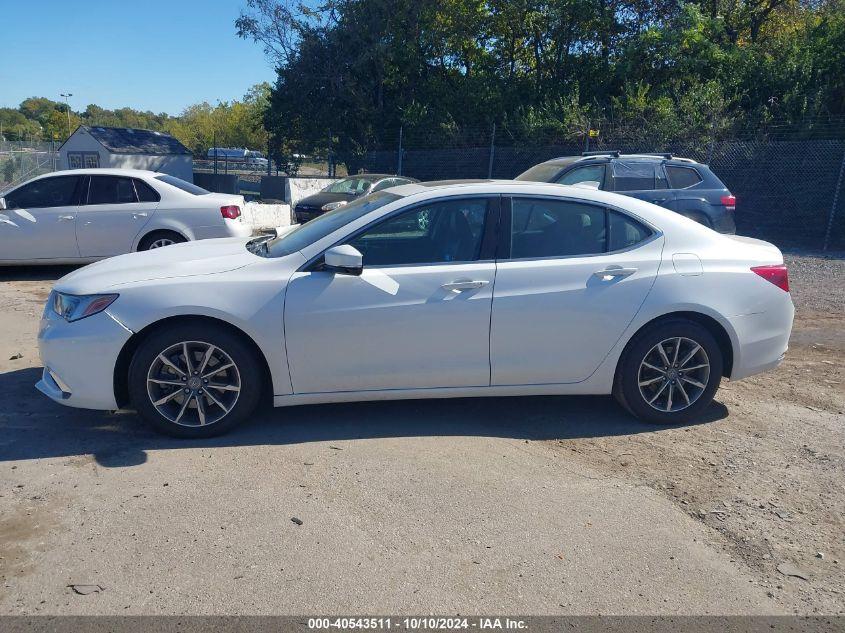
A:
x: 83, y: 215
x: 426, y: 290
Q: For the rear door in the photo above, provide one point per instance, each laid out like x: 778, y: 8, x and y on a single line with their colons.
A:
x: 113, y: 212
x: 641, y: 178
x: 570, y: 278
x: 40, y: 220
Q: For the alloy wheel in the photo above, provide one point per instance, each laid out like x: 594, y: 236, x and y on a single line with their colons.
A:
x: 673, y: 374
x: 163, y: 241
x: 193, y: 383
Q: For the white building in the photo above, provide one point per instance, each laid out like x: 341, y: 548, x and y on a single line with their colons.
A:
x: 126, y: 148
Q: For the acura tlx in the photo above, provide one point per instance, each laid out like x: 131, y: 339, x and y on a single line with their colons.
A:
x: 425, y: 290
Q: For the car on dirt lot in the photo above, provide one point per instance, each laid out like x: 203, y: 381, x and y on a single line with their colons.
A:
x: 679, y: 184
x: 83, y: 215
x: 505, y: 288
x: 343, y: 191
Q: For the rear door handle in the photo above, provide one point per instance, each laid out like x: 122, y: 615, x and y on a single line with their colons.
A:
x: 63, y: 218
x: 611, y: 273
x: 464, y: 285
x: 142, y: 214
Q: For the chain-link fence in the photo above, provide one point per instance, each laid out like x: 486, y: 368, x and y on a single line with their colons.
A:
x: 789, y: 191
x: 22, y: 160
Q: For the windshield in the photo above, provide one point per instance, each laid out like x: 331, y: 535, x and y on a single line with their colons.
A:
x: 544, y: 172
x: 353, y: 185
x: 184, y: 185
x: 321, y: 226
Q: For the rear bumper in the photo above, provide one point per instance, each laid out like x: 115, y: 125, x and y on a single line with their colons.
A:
x: 79, y: 359
x: 763, y: 340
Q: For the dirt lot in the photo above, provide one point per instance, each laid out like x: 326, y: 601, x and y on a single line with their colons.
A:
x: 541, y: 505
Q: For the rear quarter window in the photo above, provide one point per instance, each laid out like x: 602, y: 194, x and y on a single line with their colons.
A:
x: 682, y: 177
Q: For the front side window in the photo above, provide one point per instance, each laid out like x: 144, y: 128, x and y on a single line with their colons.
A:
x: 588, y: 174
x: 633, y: 175
x: 57, y: 191
x: 352, y: 185
x: 306, y: 234
x: 544, y: 172
x: 441, y: 232
x: 556, y: 228
x: 111, y: 190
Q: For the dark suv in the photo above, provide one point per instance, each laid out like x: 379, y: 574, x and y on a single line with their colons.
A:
x: 679, y: 184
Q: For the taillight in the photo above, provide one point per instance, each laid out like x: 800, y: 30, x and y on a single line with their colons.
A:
x: 230, y: 212
x: 776, y: 274
x: 729, y: 201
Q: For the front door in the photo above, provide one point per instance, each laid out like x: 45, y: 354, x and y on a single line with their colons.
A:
x: 417, y: 317
x: 571, y: 278
x: 111, y: 216
x: 39, y: 222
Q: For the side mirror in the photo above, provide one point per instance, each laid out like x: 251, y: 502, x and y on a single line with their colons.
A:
x: 2, y: 204
x: 344, y: 259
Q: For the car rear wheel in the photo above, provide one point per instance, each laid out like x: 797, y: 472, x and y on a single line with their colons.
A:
x: 160, y: 239
x: 670, y: 372
x: 194, y: 380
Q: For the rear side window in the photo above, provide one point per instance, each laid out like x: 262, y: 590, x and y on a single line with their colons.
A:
x: 635, y: 175
x: 58, y: 191
x: 556, y: 228
x: 682, y: 177
x: 184, y: 185
x: 111, y: 190
x: 624, y: 232
x: 145, y: 192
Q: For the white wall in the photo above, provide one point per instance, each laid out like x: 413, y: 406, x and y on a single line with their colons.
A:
x: 298, y: 188
x: 179, y: 165
x: 81, y: 141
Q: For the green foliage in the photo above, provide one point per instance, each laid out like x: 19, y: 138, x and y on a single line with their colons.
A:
x: 233, y: 124
x: 351, y: 72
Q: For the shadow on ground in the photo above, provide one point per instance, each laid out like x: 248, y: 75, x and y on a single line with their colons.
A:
x: 35, y: 273
x: 32, y: 426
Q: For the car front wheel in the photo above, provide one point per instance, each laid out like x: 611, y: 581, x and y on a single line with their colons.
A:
x: 670, y: 372
x: 194, y: 380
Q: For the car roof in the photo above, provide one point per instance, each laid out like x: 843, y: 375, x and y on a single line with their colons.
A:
x: 568, y: 160
x: 650, y: 213
x: 374, y: 177
x: 103, y: 171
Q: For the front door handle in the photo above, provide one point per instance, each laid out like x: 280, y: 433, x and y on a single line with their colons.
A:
x: 63, y: 218
x: 613, y: 272
x: 460, y: 286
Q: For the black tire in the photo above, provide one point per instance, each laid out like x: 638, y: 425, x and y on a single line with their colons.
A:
x: 643, y: 348
x: 246, y: 374
x: 148, y: 241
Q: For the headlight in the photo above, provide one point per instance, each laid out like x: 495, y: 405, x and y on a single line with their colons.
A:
x: 331, y: 206
x: 75, y: 307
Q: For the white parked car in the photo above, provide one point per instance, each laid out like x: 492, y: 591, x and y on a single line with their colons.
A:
x: 425, y: 290
x: 83, y: 215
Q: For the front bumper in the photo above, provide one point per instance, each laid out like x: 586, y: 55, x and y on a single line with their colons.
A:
x: 79, y: 359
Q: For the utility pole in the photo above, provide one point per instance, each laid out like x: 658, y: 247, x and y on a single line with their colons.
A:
x: 67, y: 95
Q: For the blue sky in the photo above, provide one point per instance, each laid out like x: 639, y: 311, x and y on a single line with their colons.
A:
x: 149, y: 55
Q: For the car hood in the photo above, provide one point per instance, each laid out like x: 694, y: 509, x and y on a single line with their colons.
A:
x: 319, y: 199
x: 203, y: 257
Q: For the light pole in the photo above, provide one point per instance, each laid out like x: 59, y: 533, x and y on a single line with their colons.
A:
x: 67, y: 105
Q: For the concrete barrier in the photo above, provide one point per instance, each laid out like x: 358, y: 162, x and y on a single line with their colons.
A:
x: 266, y: 216
x: 291, y: 190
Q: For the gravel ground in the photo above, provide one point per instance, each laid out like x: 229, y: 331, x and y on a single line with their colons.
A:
x: 536, y: 505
